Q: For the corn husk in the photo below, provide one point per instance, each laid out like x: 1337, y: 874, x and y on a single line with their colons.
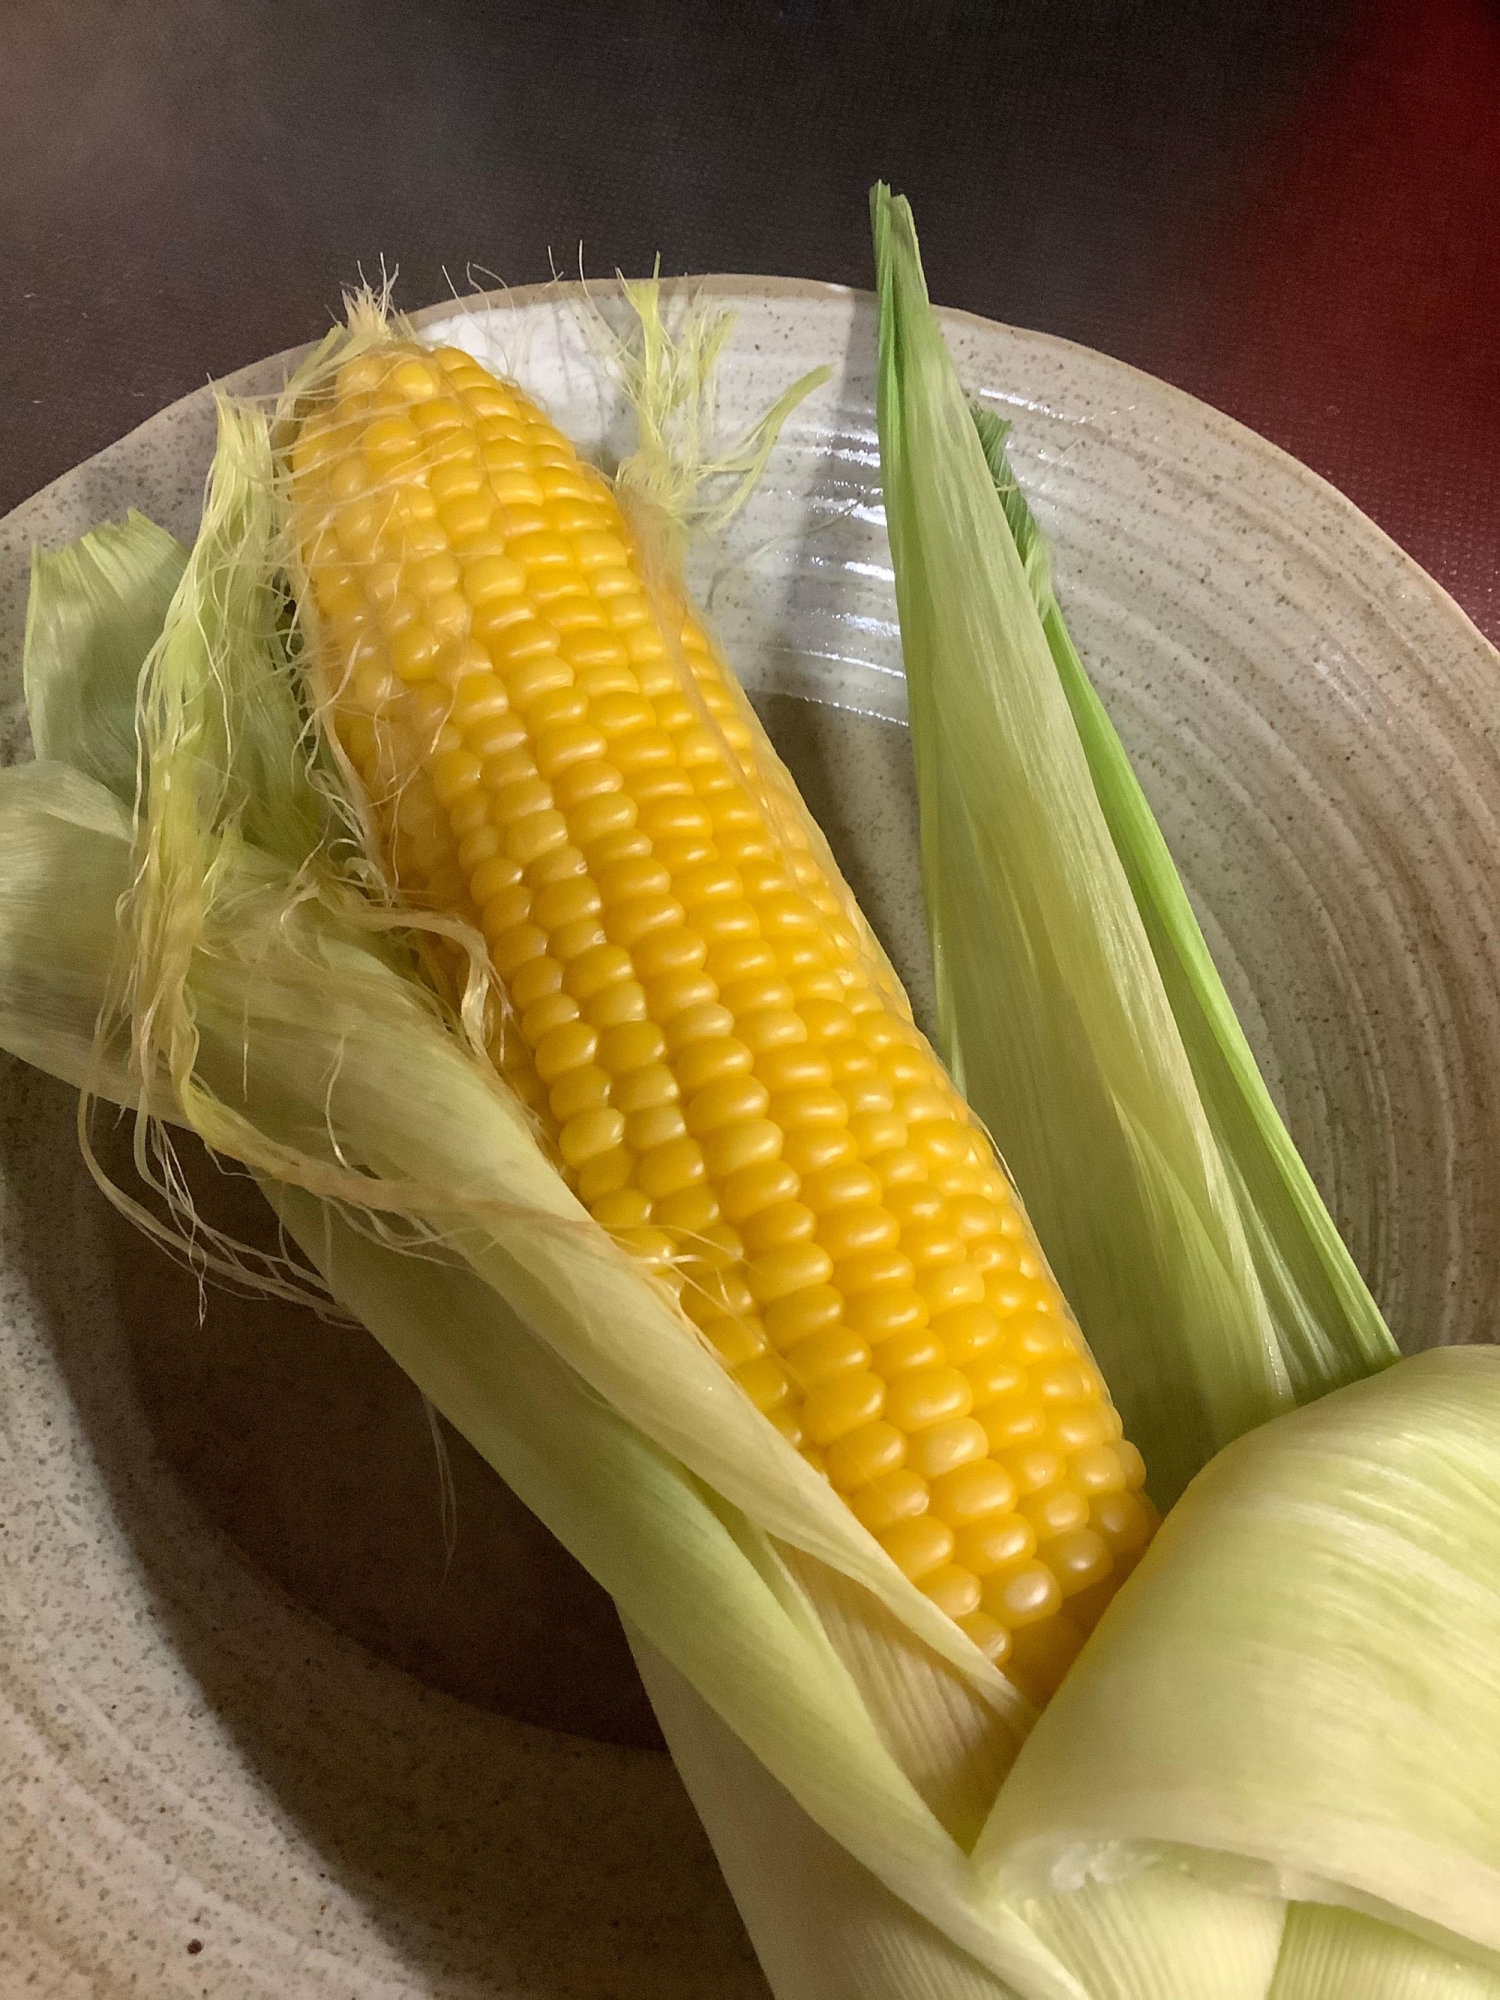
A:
x: 1332, y: 1954
x: 93, y: 614
x: 1187, y: 1235
x: 1327, y: 1730
x: 1328, y: 1326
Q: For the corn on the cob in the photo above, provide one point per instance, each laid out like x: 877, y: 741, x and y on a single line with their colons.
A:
x: 729, y: 1082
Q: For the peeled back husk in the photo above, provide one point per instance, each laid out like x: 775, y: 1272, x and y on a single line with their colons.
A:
x: 1189, y: 1239
x: 1299, y: 1694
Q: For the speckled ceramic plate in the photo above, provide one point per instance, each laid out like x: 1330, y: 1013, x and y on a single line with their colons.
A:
x: 260, y: 1737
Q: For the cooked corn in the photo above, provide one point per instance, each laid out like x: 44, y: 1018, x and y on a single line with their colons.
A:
x: 728, y: 1080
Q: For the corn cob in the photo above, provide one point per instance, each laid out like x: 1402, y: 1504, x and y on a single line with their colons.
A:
x: 712, y: 1046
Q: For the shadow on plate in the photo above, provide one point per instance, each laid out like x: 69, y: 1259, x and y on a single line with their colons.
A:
x: 492, y: 1859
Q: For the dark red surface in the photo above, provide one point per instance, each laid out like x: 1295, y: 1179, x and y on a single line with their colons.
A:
x: 1353, y: 307
x: 1290, y: 207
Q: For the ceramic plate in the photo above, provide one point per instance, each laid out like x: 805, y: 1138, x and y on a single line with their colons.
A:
x: 263, y: 1736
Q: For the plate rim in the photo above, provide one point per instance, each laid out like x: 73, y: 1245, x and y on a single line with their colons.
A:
x: 732, y: 285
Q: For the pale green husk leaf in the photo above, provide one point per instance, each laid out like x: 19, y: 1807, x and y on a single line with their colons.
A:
x: 94, y: 613
x: 1328, y: 1326
x: 1079, y: 1070
x: 1332, y: 1954
x: 823, y: 1927
x: 1161, y: 1932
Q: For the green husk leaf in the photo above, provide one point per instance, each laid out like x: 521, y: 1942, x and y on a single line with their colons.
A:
x: 1331, y: 1954
x: 94, y: 613
x: 1298, y: 1694
x: 1079, y: 1069
x: 709, y: 1612
x: 65, y: 839
x: 1162, y: 1932
x: 823, y: 1927
x: 1329, y: 1328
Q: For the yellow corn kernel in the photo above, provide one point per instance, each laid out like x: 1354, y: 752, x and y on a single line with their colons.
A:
x: 668, y: 1168
x: 1077, y: 1559
x: 748, y: 1191
x: 691, y: 1212
x: 1041, y: 1653
x: 824, y: 1356
x: 789, y: 1268
x: 727, y: 1101
x: 929, y: 1396
x: 1125, y: 1521
x: 947, y: 1447
x: 921, y: 1546
x: 967, y: 1333
x: 643, y: 1089
x: 764, y: 1381
x: 1034, y: 1468
x: 564, y: 1047
x: 974, y: 1491
x: 989, y: 1635
x: 846, y: 1185
x: 864, y: 1455
x: 589, y: 1134
x: 876, y: 1271
x: 800, y: 1314
x: 1134, y: 1464
x: 813, y: 1147
x: 1000, y: 1542
x: 842, y: 1405
x: 1022, y: 1596
x: 726, y: 1076
x: 850, y: 1232
x: 892, y: 1497
x: 953, y: 1589
x: 626, y: 1208
x: 903, y: 1353
x: 647, y: 1130
x: 1084, y: 1429
x: 1058, y: 1510
x: 733, y: 1341
x: 585, y: 1088
x: 1097, y: 1470
x: 1016, y: 1425
x: 882, y: 1315
x: 789, y: 1222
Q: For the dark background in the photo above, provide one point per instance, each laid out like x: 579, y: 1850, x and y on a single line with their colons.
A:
x: 1290, y: 207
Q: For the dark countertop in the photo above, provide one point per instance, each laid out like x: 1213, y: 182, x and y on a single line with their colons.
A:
x: 1291, y: 210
